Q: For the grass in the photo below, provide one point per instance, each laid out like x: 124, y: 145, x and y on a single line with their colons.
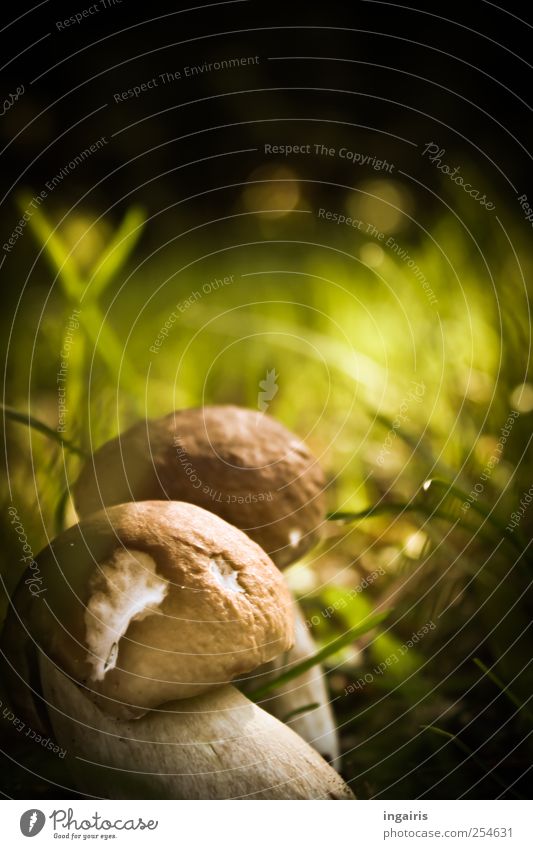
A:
x: 347, y: 341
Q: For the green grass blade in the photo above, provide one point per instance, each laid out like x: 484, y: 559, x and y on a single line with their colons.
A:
x: 398, y: 508
x: 59, y: 512
x: 478, y: 507
x: 420, y: 446
x: 299, y: 710
x: 55, y: 250
x: 99, y: 331
x: 430, y: 511
x: 120, y: 248
x: 321, y: 655
x: 76, y: 386
x: 440, y: 732
x: 37, y: 424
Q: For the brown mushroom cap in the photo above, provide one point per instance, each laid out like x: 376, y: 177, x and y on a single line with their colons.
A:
x: 238, y: 463
x: 154, y: 601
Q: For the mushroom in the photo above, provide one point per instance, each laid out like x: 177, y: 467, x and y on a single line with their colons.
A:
x: 150, y: 609
x: 246, y: 467
x: 240, y: 464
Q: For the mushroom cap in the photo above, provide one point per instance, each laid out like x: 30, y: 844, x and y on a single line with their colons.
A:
x: 153, y: 601
x: 238, y: 463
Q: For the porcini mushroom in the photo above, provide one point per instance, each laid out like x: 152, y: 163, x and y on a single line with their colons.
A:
x: 246, y: 467
x: 241, y: 464
x: 150, y: 609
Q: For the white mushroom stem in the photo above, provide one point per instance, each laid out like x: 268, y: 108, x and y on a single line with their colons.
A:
x: 316, y: 725
x: 215, y: 746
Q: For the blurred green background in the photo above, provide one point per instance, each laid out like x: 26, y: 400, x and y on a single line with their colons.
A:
x: 388, y: 387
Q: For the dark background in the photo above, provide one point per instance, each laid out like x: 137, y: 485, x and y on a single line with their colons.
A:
x: 412, y: 73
